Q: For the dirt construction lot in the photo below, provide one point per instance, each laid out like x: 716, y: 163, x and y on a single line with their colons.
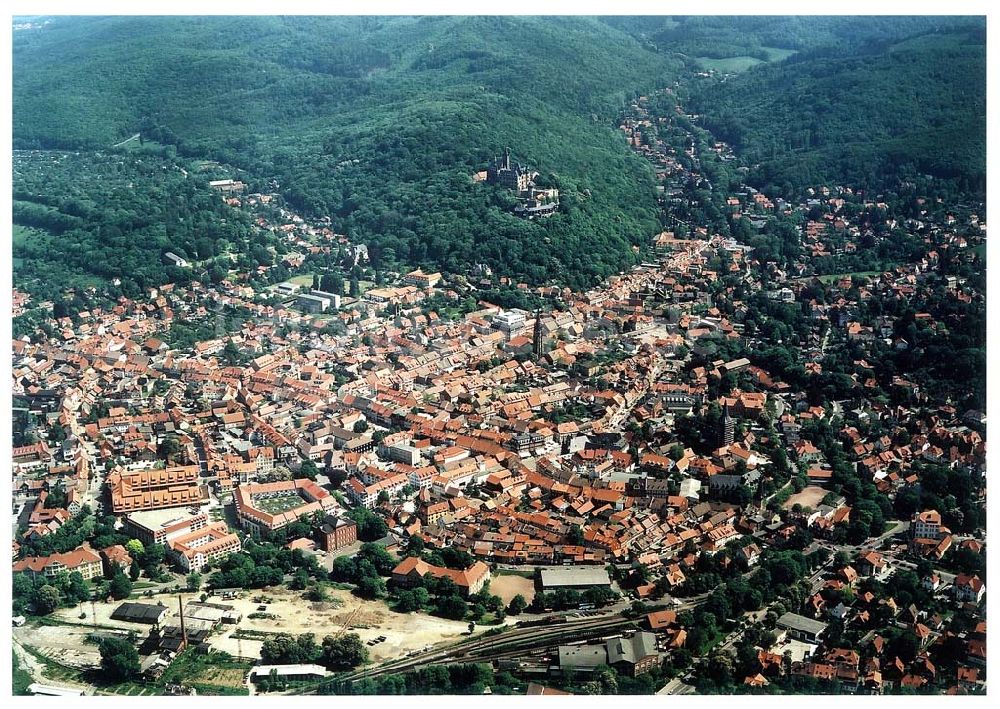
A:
x: 809, y: 497
x: 369, y: 619
x: 295, y: 615
x: 509, y: 586
x: 65, y: 645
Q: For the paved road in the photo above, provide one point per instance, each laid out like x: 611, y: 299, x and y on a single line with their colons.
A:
x: 676, y: 686
x: 127, y: 140
x: 896, y: 527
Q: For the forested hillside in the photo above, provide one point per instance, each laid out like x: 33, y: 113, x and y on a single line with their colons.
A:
x: 378, y: 122
x: 90, y: 219
x: 861, y: 116
x: 720, y: 37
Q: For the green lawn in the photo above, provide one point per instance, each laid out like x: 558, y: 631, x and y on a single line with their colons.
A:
x: 774, y: 54
x: 830, y: 278
x: 277, y: 505
x: 735, y: 65
x: 305, y: 279
x: 951, y: 40
x: 146, y: 146
x: 729, y: 65
x: 21, y: 235
x: 20, y: 678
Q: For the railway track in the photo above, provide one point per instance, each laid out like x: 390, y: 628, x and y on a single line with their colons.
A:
x: 502, y: 646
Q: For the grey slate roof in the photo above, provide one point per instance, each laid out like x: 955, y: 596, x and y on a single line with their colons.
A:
x: 794, y: 621
x: 633, y: 649
x: 586, y: 656
x: 139, y: 613
x: 575, y: 576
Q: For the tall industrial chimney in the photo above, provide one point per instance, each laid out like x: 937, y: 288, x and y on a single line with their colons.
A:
x: 184, y: 637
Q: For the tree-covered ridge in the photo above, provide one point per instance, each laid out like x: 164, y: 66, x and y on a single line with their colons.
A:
x: 378, y: 122
x: 753, y: 35
x: 95, y: 218
x: 201, y: 76
x: 919, y: 104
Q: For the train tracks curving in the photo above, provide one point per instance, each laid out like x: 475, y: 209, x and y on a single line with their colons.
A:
x: 510, y: 644
x: 505, y: 645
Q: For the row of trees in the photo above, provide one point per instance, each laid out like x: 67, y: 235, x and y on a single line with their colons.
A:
x: 336, y: 652
x: 566, y: 599
x: 262, y: 564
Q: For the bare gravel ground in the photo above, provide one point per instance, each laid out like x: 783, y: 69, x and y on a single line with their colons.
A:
x: 295, y: 615
x: 509, y: 586
x: 809, y: 497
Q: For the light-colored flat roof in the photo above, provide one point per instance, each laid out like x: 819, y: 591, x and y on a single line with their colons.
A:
x: 155, y: 519
x: 575, y: 576
x: 48, y: 690
x: 582, y: 655
x: 282, y: 670
x: 800, y: 650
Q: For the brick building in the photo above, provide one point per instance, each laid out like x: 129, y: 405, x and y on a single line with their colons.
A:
x: 337, y: 533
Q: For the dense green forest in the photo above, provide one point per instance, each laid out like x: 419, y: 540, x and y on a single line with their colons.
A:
x: 378, y: 122
x: 86, y: 219
x: 860, y: 117
x: 720, y: 37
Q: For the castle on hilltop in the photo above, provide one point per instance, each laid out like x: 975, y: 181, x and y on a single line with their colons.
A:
x: 507, y: 174
x: 532, y: 202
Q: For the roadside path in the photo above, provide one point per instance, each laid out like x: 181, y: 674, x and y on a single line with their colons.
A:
x: 127, y: 140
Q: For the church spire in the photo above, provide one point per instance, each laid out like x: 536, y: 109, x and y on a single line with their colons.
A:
x: 536, y: 344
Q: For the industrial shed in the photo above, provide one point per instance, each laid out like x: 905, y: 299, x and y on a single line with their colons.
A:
x: 575, y: 577
x: 140, y: 613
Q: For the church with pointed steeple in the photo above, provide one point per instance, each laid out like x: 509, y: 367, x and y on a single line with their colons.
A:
x: 728, y: 427
x: 538, y: 339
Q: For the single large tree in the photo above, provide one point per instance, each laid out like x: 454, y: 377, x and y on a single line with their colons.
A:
x: 121, y: 587
x: 119, y: 659
x: 46, y: 599
x: 517, y: 605
x: 343, y: 653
